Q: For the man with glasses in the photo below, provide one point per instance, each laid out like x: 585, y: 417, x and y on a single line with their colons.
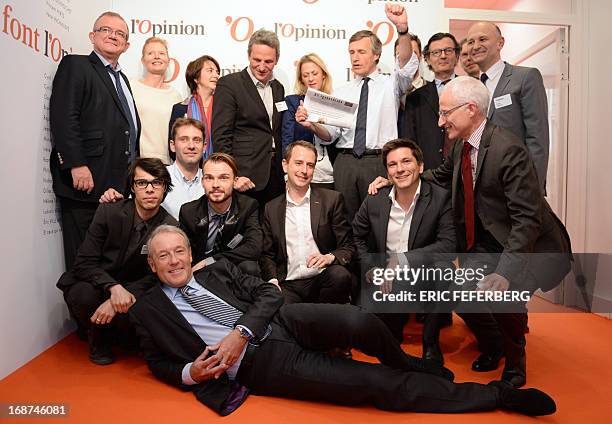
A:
x: 95, y: 128
x: 441, y: 54
x: 99, y: 289
x: 500, y: 215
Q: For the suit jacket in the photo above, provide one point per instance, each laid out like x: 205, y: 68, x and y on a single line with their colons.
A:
x: 105, y: 256
x: 242, y: 221
x: 422, y: 107
x: 527, y: 116
x: 241, y: 127
x: 508, y: 202
x: 169, y: 342
x: 431, y: 231
x: 89, y: 127
x: 330, y: 230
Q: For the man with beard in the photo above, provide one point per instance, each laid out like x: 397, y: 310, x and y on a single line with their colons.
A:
x: 222, y: 223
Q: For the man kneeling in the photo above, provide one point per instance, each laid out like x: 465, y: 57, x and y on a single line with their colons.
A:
x: 221, y: 334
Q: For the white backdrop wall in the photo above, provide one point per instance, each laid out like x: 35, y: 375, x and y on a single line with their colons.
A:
x: 193, y: 28
x: 34, y: 36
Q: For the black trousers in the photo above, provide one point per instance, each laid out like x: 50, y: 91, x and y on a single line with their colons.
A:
x: 76, y: 217
x: 431, y: 326
x: 291, y: 363
x: 352, y: 177
x: 333, y: 285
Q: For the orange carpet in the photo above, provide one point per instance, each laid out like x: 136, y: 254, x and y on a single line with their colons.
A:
x: 569, y: 357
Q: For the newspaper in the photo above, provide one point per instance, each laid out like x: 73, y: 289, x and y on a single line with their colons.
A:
x: 330, y: 110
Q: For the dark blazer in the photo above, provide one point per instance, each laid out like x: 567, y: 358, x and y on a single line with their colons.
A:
x: 527, y: 116
x: 89, y: 127
x: 241, y: 127
x: 169, y: 342
x: 104, y: 257
x: 508, y: 202
x: 422, y: 107
x: 330, y: 230
x: 242, y: 220
x: 431, y: 231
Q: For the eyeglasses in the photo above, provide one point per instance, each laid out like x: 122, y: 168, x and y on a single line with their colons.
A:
x: 108, y: 31
x: 143, y: 184
x: 446, y: 113
x: 448, y: 51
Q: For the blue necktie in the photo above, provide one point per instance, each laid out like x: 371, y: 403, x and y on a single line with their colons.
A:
x: 126, y: 111
x: 359, y: 142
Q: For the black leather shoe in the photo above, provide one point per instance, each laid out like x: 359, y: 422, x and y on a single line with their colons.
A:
x: 532, y: 402
x: 100, y: 352
x: 515, y: 377
x: 340, y: 353
x: 486, y: 362
x: 432, y: 352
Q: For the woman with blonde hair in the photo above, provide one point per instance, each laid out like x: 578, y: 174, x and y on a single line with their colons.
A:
x: 310, y: 72
x: 154, y: 98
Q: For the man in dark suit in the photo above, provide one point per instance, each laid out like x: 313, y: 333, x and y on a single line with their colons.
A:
x: 246, y: 120
x: 95, y: 128
x: 220, y: 334
x: 223, y: 224
x: 441, y: 54
x: 501, y: 215
x: 413, y: 217
x: 113, y: 257
x: 307, y: 240
x: 518, y: 97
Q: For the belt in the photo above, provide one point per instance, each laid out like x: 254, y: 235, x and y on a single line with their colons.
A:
x: 368, y: 152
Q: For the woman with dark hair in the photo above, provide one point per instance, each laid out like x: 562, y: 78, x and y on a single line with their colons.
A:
x: 310, y: 72
x: 201, y: 76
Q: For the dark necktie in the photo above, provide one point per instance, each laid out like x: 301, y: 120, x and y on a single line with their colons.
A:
x: 484, y: 77
x: 468, y: 193
x: 359, y: 142
x: 126, y: 111
x: 215, y: 228
x: 445, y: 82
x: 211, y: 307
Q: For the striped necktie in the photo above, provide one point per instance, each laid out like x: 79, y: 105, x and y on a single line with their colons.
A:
x: 211, y: 307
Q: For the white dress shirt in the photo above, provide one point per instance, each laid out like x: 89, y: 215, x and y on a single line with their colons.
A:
x: 494, y: 73
x: 384, y: 94
x: 299, y: 239
x: 265, y: 92
x: 398, y: 229
x: 183, y: 190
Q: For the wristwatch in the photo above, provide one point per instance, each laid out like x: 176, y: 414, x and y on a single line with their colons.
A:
x: 244, y: 333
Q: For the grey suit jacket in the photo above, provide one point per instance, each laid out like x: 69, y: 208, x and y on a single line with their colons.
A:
x: 527, y: 116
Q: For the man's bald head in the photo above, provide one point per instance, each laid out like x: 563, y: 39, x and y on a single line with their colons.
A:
x: 485, y: 42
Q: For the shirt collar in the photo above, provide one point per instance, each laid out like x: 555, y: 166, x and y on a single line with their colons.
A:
x: 212, y: 212
x: 416, y: 195
x: 256, y: 82
x: 305, y: 199
x: 495, y: 70
x: 172, y: 292
x: 106, y: 62
x: 476, y: 136
x: 174, y: 168
x: 373, y: 76
x: 439, y: 81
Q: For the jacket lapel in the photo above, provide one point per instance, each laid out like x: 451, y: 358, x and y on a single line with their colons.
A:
x: 281, y: 213
x: 160, y: 301
x: 231, y: 221
x: 127, y: 222
x: 500, y: 88
x: 315, y: 214
x: 106, y: 79
x: 482, y: 151
x: 419, y: 210
x: 251, y: 90
x: 431, y: 96
x: 383, y: 222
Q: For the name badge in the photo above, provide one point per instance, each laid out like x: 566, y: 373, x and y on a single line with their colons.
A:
x: 144, y: 250
x: 235, y: 241
x: 502, y: 101
x: 281, y: 106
